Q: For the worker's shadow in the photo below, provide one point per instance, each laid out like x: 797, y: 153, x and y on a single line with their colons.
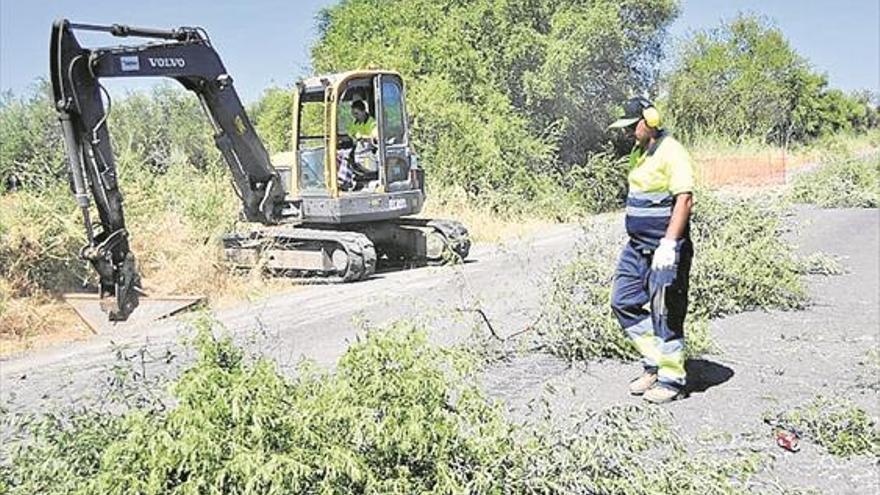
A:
x: 703, y: 375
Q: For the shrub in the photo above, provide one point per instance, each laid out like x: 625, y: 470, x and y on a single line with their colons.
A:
x: 31, y: 149
x: 40, y: 236
x: 837, y: 424
x: 600, y: 183
x: 396, y: 417
x: 156, y: 126
x: 845, y: 183
x: 178, y: 201
x: 576, y: 321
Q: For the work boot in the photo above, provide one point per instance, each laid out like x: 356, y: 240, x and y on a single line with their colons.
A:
x: 643, y: 383
x: 661, y: 394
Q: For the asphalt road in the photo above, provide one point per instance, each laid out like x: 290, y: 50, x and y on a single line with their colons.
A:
x: 768, y: 360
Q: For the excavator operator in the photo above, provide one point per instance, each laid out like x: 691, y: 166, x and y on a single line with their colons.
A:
x: 359, y: 164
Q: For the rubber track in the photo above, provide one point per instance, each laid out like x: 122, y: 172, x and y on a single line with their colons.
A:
x: 359, y: 248
x: 456, y: 234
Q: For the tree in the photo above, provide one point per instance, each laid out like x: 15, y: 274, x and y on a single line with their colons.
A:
x: 744, y: 80
x: 273, y: 118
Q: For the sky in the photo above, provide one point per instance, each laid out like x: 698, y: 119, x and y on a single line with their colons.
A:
x: 266, y: 42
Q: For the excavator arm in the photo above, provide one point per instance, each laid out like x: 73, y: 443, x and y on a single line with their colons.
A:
x: 186, y: 55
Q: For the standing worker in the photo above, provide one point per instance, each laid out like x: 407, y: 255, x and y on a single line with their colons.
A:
x: 649, y: 296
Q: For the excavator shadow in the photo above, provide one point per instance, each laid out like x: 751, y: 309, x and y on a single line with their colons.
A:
x: 392, y: 266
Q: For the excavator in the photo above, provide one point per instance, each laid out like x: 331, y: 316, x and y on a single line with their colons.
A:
x: 312, y: 223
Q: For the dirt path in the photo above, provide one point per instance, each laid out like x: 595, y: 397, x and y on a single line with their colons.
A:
x: 768, y: 360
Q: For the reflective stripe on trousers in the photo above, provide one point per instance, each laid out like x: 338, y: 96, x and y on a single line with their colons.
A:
x: 651, y: 307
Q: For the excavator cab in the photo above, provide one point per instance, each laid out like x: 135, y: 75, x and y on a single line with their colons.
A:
x: 341, y: 178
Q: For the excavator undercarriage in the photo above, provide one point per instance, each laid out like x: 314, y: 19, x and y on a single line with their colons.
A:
x: 326, y: 254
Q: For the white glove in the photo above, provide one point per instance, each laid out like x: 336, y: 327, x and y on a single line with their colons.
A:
x: 664, y: 256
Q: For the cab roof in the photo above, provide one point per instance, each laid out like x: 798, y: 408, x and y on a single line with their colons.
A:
x: 317, y: 83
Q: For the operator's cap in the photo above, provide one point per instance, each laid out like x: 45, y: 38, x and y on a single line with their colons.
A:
x: 632, y: 112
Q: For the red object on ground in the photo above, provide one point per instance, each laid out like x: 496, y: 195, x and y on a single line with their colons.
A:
x: 788, y: 440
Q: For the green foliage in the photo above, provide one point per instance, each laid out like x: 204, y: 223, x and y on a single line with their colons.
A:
x: 576, y: 319
x: 384, y: 422
x: 743, y: 79
x: 397, y: 416
x: 156, y: 125
x: 600, y: 184
x: 40, y: 237
x: 272, y: 115
x: 31, y: 148
x: 845, y: 183
x: 150, y: 129
x: 508, y: 97
x: 835, y: 423
x: 741, y: 263
x: 820, y: 264
x: 627, y: 450
x: 822, y: 111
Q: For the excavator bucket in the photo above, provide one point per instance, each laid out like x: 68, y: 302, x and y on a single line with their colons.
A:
x: 91, y: 309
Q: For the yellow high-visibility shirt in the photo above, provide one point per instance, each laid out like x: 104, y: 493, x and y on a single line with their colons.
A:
x: 656, y: 176
x: 666, y: 168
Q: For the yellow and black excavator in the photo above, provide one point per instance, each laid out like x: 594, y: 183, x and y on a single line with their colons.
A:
x: 331, y: 208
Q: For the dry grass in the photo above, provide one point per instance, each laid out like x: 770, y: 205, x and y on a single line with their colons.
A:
x: 483, y: 224
x: 173, y: 259
x: 36, y: 321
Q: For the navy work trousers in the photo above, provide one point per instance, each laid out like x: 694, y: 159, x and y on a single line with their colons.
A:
x: 651, y: 306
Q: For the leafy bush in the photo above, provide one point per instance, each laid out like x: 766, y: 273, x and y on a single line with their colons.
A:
x: 600, y: 184
x: 837, y: 424
x: 846, y: 183
x: 32, y: 149
x: 576, y: 320
x: 158, y: 125
x: 273, y: 118
x: 744, y: 79
x: 397, y: 417
x: 151, y: 127
x: 741, y: 263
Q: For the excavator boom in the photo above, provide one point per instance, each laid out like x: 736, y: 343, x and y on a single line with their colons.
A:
x: 186, y: 55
